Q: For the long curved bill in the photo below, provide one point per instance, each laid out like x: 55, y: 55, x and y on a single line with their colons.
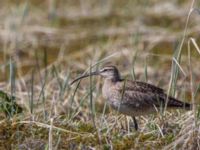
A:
x: 84, y: 76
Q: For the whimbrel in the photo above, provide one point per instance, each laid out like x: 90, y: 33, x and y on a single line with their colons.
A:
x: 133, y: 98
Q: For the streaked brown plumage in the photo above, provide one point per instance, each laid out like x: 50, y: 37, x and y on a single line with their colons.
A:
x: 133, y: 98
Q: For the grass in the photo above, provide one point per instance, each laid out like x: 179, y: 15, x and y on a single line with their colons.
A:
x: 43, y: 50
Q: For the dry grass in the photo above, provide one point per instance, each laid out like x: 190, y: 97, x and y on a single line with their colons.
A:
x: 46, y: 45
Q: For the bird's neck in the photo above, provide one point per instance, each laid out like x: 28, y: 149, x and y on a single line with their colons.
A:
x: 113, y: 80
x: 116, y: 77
x: 108, y: 86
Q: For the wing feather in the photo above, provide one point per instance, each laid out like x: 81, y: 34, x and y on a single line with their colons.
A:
x: 139, y: 99
x: 139, y: 86
x: 140, y: 94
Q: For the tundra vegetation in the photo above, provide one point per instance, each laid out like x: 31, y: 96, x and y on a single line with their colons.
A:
x: 44, y: 45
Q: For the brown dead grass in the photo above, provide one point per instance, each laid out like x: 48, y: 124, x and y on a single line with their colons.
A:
x: 50, y: 44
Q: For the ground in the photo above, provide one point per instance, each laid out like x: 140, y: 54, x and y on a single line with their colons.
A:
x: 45, y: 45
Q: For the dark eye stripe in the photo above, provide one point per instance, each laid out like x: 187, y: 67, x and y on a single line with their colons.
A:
x: 107, y: 69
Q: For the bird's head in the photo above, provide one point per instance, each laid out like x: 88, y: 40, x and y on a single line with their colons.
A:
x: 108, y: 72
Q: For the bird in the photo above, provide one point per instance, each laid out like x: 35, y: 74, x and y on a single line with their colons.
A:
x: 131, y: 97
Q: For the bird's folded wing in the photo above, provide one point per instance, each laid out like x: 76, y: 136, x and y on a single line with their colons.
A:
x: 139, y: 86
x: 140, y: 99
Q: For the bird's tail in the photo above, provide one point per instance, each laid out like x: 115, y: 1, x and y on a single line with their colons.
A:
x: 173, y: 102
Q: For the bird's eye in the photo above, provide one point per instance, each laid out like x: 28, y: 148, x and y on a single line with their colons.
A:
x: 105, y: 70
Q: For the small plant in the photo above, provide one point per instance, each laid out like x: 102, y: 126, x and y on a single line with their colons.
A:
x: 8, y: 105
